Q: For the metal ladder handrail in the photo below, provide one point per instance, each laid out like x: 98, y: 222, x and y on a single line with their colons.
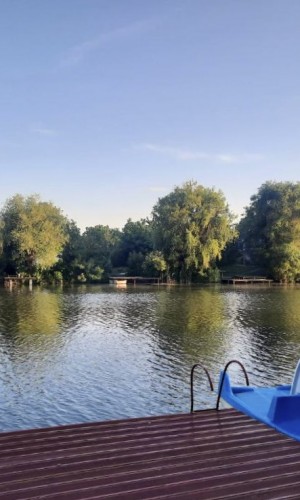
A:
x: 223, y: 377
x: 192, y: 382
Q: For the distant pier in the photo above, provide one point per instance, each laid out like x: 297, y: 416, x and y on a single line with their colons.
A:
x: 246, y: 280
x: 123, y: 281
x: 10, y: 281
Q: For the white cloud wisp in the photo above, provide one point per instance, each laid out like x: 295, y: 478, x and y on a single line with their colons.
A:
x: 189, y: 155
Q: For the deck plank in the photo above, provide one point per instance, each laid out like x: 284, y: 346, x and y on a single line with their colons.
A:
x: 205, y: 455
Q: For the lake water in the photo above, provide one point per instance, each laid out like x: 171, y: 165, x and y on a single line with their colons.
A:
x: 97, y: 352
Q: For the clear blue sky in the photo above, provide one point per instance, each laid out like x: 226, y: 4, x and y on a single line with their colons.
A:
x: 106, y: 105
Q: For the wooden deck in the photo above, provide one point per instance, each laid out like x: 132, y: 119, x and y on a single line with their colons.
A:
x: 205, y: 455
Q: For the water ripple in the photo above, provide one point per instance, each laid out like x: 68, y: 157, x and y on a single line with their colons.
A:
x: 95, y: 353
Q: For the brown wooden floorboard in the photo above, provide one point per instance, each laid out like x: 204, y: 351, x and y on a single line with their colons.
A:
x: 205, y: 455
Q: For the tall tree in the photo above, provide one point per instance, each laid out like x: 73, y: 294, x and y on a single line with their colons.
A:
x: 191, y: 227
x: 98, y: 244
x: 270, y: 229
x: 33, y: 234
x: 70, y: 264
x: 155, y: 264
x: 135, y: 243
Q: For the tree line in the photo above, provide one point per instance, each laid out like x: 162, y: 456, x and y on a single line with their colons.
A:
x: 188, y: 237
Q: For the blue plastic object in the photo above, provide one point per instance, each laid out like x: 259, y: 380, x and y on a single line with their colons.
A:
x: 274, y: 406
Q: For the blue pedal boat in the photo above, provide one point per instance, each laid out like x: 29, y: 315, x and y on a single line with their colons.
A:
x: 278, y: 407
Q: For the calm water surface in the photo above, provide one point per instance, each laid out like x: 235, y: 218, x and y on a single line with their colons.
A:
x: 96, y: 353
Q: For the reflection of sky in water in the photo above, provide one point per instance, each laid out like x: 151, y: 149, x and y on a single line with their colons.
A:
x: 94, y: 353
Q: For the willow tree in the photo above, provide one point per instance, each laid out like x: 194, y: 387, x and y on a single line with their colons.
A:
x: 270, y: 229
x: 33, y: 234
x: 191, y: 227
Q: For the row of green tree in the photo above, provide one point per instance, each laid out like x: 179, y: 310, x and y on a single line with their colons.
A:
x: 185, y: 239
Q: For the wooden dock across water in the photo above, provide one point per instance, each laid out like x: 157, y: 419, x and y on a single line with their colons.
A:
x: 246, y: 280
x: 204, y: 455
x: 133, y: 280
x: 10, y: 281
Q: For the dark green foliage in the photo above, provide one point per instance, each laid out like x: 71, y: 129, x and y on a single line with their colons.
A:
x: 98, y: 245
x: 232, y: 253
x: 136, y: 238
x: 70, y: 263
x: 270, y: 229
x: 135, y: 263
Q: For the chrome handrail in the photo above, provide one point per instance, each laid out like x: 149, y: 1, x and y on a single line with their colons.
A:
x: 223, y: 377
x: 192, y: 382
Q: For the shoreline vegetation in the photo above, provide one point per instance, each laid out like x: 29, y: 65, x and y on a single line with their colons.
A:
x: 235, y: 281
x: 191, y: 237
